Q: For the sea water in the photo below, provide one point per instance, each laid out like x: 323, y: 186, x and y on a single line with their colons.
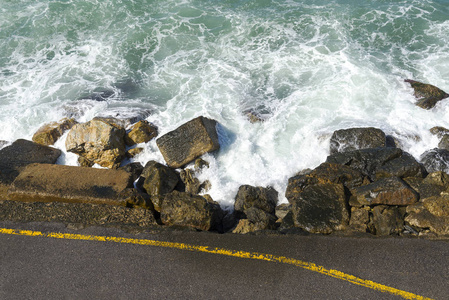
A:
x: 306, y: 67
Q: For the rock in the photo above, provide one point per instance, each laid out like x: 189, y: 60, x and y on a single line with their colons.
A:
x: 98, y: 141
x: 326, y: 173
x: 134, y: 198
x: 432, y: 185
x: 49, y: 183
x: 253, y: 116
x: 444, y: 142
x: 320, y: 208
x: 112, y: 121
x: 191, y: 183
x: 359, y: 218
x: 141, y: 132
x: 388, y: 220
x: 437, y: 205
x: 135, y: 169
x: 187, y: 210
x: 158, y: 181
x: 386, y: 191
x: 133, y: 152
x: 365, y: 160
x: 282, y: 210
x: 200, y: 164
x: 356, y: 138
x: 84, y: 162
x: 427, y: 94
x: 125, y: 115
x: 257, y: 219
x: 403, y: 166
x: 258, y: 197
x: 188, y: 142
x: 19, y: 154
x: 50, y: 133
x: 419, y: 216
x: 436, y: 160
x: 439, y: 131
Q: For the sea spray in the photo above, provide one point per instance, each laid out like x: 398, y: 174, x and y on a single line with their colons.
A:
x: 307, y: 67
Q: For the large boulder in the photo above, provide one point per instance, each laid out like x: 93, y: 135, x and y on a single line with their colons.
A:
x: 431, y: 213
x: 258, y: 197
x: 366, y: 161
x: 433, y: 185
x: 49, y: 183
x: 189, y: 141
x: 386, y: 191
x: 356, y: 138
x: 158, y: 180
x: 320, y: 208
x: 18, y: 155
x: 403, y: 166
x: 188, y: 210
x: 388, y: 220
x: 141, y: 132
x: 98, y: 141
x: 427, y: 94
x: 436, y: 160
x: 49, y: 133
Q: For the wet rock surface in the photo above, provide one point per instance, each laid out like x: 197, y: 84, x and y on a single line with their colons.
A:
x: 356, y: 138
x: 428, y: 95
x: 189, y: 141
x: 48, y: 134
x: 141, y: 132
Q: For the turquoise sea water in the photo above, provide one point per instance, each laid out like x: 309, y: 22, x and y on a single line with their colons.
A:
x: 308, y: 67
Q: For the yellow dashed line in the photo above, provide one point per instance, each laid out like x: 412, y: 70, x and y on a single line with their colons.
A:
x: 240, y: 254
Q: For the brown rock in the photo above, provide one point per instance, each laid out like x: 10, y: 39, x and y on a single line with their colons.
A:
x: 50, y: 133
x: 427, y: 94
x: 83, y: 162
x: 19, y: 154
x: 48, y: 183
x: 259, y: 197
x: 418, y: 216
x: 188, y: 142
x: 133, y: 152
x: 387, y: 191
x: 187, y: 210
x: 98, y: 141
x: 388, y: 220
x: 439, y: 131
x: 141, y: 132
x: 191, y: 183
x: 444, y: 142
x: 359, y: 219
x: 158, y: 181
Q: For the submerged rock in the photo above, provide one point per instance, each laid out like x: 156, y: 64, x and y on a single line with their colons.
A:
x: 98, y: 141
x: 356, y: 138
x: 49, y: 133
x: 189, y: 141
x: 436, y: 160
x: 427, y: 94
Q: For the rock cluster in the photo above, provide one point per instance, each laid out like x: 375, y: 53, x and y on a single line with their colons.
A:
x: 365, y: 185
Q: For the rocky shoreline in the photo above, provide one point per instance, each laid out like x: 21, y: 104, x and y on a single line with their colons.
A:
x: 367, y: 184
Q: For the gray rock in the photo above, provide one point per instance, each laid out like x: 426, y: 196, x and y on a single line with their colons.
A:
x: 188, y: 142
x: 436, y: 160
x: 356, y: 138
x: 403, y: 166
x: 320, y: 208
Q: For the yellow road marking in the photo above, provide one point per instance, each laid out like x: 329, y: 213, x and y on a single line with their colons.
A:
x: 234, y: 253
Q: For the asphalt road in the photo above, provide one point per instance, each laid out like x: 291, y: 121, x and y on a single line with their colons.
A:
x: 48, y: 268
